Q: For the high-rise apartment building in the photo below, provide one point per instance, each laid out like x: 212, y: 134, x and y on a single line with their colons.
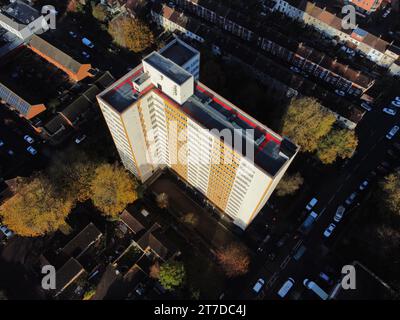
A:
x: 160, y: 115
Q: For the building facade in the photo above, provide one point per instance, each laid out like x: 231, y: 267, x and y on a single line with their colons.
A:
x: 160, y: 116
x: 381, y: 52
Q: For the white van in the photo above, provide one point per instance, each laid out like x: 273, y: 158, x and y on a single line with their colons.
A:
x: 286, y: 288
x: 316, y: 288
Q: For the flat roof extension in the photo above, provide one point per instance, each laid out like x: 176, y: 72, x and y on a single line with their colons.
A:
x: 168, y: 68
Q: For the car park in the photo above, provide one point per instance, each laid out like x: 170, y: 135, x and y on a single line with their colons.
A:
x: 311, y: 204
x: 31, y: 150
x: 328, y: 231
x: 364, y: 185
x: 258, y: 286
x: 392, y: 132
x: 340, y: 93
x: 389, y: 111
x: 283, y: 291
x: 366, y: 106
x: 339, y: 213
x: 29, y: 139
x: 351, y: 198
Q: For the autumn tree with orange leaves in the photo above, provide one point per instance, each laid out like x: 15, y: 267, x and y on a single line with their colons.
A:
x: 234, y: 260
x: 131, y: 33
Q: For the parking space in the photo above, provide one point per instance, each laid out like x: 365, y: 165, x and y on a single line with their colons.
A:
x: 15, y: 159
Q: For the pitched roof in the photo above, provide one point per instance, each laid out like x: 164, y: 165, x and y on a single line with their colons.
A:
x: 131, y: 222
x: 56, y: 54
x: 155, y: 240
x: 68, y: 273
x: 82, y: 241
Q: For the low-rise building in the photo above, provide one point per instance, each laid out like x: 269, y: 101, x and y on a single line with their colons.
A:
x: 22, y: 20
x: 374, y: 48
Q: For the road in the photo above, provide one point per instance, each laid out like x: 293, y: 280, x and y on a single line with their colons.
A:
x: 331, y: 192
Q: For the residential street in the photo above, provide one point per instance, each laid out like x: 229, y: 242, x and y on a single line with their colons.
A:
x: 331, y: 192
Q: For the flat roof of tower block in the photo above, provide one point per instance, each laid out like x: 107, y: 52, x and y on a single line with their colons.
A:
x: 168, y: 68
x: 256, y: 142
x: 178, y: 52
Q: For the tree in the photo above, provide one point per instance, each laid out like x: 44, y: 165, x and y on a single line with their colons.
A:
x: 289, y: 184
x: 35, y: 209
x: 234, y: 260
x: 112, y: 189
x: 190, y: 218
x: 99, y: 12
x: 172, y: 275
x: 162, y: 200
x: 306, y: 122
x: 338, y: 143
x: 390, y: 187
x: 130, y: 33
x: 155, y: 270
x: 71, y: 173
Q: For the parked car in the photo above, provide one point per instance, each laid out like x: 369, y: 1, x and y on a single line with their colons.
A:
x: 325, y: 277
x: 387, y: 12
x: 316, y: 288
x: 73, y: 34
x: 364, y: 185
x: 311, y: 204
x: 396, y: 103
x: 366, y: 106
x: 392, y: 132
x: 339, y: 213
x: 328, y: 231
x: 351, y: 198
x: 7, y: 232
x: 31, y: 150
x: 85, y: 54
x: 1, y: 143
x: 282, y: 240
x: 88, y: 43
x: 389, y: 111
x: 258, y: 286
x: 283, y: 291
x: 340, y: 92
x: 29, y: 139
x: 295, y: 69
x: 10, y: 152
x: 80, y: 138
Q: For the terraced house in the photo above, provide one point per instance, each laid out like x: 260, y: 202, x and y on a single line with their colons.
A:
x: 160, y: 116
